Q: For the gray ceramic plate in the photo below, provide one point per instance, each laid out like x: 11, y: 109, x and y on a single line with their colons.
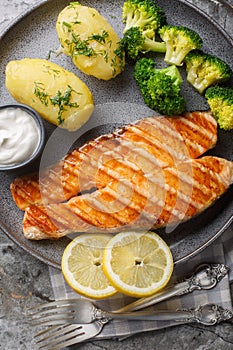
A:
x: 33, y: 35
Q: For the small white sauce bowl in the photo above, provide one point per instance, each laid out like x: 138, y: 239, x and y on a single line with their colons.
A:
x: 41, y: 142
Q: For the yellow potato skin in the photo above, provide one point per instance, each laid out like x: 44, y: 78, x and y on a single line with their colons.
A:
x: 76, y: 25
x: 44, y: 85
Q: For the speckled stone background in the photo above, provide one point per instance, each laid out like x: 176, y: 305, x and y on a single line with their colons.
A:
x: 24, y: 281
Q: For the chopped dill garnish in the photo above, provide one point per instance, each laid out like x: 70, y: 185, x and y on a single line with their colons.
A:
x: 56, y: 53
x: 49, y: 54
x: 79, y: 47
x: 39, y: 92
x: 54, y: 72
x: 62, y: 101
x: 100, y: 38
x: 113, y: 65
x: 106, y: 56
x: 67, y: 25
x: 109, y: 43
x: 82, y: 47
x: 73, y: 3
x: 119, y: 52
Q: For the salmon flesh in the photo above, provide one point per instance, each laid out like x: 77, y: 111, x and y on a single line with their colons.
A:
x: 145, y: 175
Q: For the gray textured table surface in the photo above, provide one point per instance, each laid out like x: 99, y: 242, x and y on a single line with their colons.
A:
x: 24, y: 281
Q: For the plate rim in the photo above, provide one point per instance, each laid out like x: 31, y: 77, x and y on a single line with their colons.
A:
x: 37, y: 254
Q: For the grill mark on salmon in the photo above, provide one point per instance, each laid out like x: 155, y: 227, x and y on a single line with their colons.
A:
x: 197, y: 143
x: 103, y: 210
x: 148, y: 144
x: 164, y: 156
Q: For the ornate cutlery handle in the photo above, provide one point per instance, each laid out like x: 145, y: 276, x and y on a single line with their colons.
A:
x: 208, y: 315
x: 206, y: 276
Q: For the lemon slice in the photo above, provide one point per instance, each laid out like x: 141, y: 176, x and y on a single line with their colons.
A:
x: 137, y: 264
x: 82, y: 266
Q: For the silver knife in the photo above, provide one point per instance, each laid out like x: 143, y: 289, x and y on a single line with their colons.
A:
x: 206, y: 276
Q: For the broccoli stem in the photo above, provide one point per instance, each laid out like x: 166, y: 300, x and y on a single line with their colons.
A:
x: 199, y: 83
x: 174, y: 56
x: 155, y: 46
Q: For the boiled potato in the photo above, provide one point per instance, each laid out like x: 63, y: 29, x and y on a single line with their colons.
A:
x: 91, y: 42
x: 58, y: 95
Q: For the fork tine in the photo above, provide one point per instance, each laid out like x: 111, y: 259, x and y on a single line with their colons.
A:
x: 55, y: 320
x: 61, y: 335
x: 46, y: 330
x: 52, y: 315
x: 55, y: 304
x: 73, y: 334
x: 57, y: 331
x: 78, y: 310
x: 51, y: 310
x: 71, y: 342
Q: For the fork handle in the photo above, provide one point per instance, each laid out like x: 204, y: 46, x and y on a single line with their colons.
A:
x: 208, y: 314
x: 164, y: 315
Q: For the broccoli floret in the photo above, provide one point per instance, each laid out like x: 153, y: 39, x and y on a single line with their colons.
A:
x: 142, y: 20
x: 145, y: 14
x: 179, y: 42
x: 143, y: 70
x: 220, y: 100
x: 204, y: 70
x: 137, y: 41
x: 160, y: 88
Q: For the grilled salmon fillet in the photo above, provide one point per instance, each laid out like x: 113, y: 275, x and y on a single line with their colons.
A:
x: 144, y: 147
x: 176, y: 194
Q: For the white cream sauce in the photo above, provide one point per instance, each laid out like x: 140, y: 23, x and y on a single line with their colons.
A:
x: 19, y: 136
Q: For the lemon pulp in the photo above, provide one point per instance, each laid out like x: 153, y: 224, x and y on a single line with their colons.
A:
x: 137, y: 264
x: 82, y: 266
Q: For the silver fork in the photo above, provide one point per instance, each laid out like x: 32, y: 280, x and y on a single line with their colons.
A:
x: 206, y: 276
x: 66, y: 335
x: 145, y: 315
x: 69, y: 334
